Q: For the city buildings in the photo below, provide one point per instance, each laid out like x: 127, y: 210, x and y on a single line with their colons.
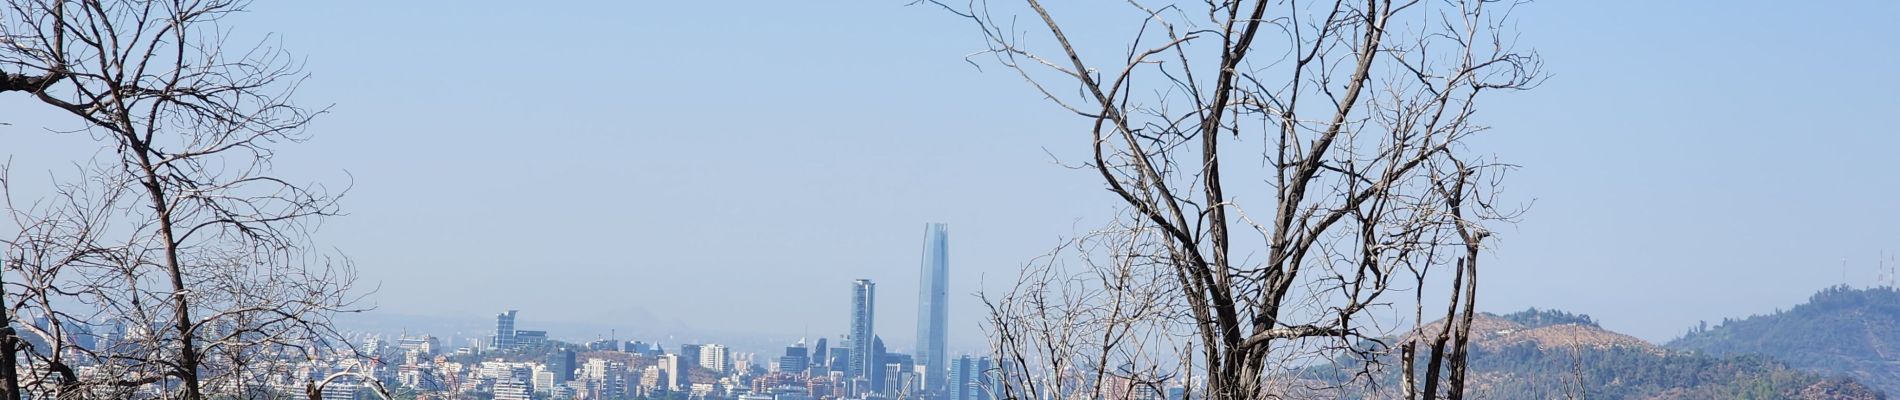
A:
x: 604, y: 345
x: 425, y: 345
x: 532, y: 364
x: 933, y: 309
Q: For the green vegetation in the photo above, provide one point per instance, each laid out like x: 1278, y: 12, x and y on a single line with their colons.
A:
x: 1842, y: 331
x: 1534, y: 318
x: 1525, y: 371
x: 1550, y: 354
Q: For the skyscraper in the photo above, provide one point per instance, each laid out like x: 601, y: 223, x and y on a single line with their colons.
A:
x: 863, y: 305
x: 504, y: 331
x: 933, y: 308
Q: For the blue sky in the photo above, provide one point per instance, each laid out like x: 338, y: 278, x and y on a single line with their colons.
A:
x: 732, y: 166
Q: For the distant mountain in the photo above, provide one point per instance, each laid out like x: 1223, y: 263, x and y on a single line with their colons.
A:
x: 1552, y: 355
x: 1845, y: 331
x: 1537, y: 354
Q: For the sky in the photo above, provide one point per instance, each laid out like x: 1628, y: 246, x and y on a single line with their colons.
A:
x: 733, y: 166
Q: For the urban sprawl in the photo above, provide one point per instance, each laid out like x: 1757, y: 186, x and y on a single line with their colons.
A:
x: 519, y: 364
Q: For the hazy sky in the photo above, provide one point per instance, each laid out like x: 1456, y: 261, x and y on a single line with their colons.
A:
x: 732, y: 166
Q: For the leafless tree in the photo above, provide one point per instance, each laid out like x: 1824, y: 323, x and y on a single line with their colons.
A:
x: 1300, y: 188
x: 175, y: 248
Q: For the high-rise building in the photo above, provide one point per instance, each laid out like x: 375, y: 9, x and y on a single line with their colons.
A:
x: 544, y: 379
x: 838, y: 361
x: 795, y: 360
x: 899, y: 378
x: 676, y: 374
x: 504, y: 331
x: 892, y: 384
x: 863, y: 307
x: 650, y: 380
x: 933, y: 308
x: 713, y: 357
x: 819, y: 352
x: 689, y: 353
x: 608, y: 377
x: 876, y: 365
x: 561, y: 362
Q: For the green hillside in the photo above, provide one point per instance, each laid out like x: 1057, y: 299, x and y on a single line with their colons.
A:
x: 1556, y: 355
x: 1844, y: 331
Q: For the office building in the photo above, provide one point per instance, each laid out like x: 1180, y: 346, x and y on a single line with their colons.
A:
x: 839, y: 360
x: 530, y: 338
x: 933, y: 308
x: 819, y: 352
x: 795, y: 360
x: 713, y: 357
x: 675, y: 370
x: 512, y: 388
x: 689, y: 353
x: 504, y: 337
x: 875, y: 362
x: 863, y: 307
x: 561, y: 362
x: 899, y: 378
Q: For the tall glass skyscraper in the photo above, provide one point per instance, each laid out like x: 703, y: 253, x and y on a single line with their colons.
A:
x: 504, y: 338
x: 933, y: 308
x: 863, y: 306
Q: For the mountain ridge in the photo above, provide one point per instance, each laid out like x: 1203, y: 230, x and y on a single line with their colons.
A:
x: 1840, y: 330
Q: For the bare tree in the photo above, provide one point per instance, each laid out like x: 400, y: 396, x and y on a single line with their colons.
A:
x: 1292, y: 171
x: 176, y: 240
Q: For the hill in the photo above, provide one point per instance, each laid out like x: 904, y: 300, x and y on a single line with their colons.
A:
x: 1555, y: 355
x: 1844, y: 331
